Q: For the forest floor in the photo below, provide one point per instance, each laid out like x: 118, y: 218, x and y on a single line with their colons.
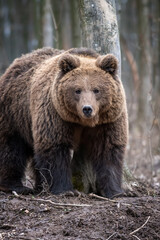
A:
x: 133, y: 216
x: 47, y: 217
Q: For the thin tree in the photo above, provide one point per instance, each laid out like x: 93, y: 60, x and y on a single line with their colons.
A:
x: 145, y: 67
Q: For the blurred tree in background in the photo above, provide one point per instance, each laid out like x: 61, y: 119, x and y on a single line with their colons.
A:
x: 27, y: 25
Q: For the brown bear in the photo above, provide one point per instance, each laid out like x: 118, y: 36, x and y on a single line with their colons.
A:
x: 67, y: 111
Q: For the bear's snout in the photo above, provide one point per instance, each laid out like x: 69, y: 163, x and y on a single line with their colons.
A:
x: 87, y: 110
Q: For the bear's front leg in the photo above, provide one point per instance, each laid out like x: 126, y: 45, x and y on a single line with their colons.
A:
x: 106, y: 148
x: 53, y: 166
x: 52, y: 143
x: 108, y: 170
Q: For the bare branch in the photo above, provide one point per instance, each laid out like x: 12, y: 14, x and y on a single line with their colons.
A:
x: 50, y: 201
x: 111, y: 236
x: 140, y: 227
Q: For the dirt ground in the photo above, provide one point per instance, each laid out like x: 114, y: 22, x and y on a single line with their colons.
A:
x: 45, y: 217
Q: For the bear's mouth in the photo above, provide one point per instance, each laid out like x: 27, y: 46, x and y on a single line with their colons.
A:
x: 90, y: 122
x: 88, y: 118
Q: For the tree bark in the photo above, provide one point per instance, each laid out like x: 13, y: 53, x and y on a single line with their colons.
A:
x: 99, y: 26
x: 155, y: 28
x: 76, y: 31
x: 47, y: 25
x: 145, y: 68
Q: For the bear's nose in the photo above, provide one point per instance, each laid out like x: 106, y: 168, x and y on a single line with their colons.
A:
x: 87, y: 110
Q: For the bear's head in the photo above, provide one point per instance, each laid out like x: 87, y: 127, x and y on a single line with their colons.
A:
x: 87, y: 90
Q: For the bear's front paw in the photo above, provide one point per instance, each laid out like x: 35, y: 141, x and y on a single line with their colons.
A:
x: 18, y: 189
x: 67, y: 194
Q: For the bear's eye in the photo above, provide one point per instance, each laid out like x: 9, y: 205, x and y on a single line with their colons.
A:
x: 95, y: 90
x: 78, y: 91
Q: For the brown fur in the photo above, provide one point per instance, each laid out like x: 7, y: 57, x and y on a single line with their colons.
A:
x: 43, y: 103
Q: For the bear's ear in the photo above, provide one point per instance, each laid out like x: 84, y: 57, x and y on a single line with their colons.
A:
x: 67, y: 63
x: 108, y: 63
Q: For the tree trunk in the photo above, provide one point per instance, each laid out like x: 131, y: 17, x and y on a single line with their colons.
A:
x: 99, y: 26
x: 66, y: 26
x: 47, y: 25
x: 76, y: 31
x: 100, y: 32
x: 155, y: 28
x: 145, y: 68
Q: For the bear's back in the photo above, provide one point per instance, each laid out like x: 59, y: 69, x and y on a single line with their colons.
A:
x: 19, y: 73
x: 29, y: 62
x: 15, y: 89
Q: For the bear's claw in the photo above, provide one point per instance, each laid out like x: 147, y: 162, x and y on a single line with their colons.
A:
x: 72, y: 193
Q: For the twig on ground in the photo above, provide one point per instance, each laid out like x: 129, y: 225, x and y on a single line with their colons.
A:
x: 136, y: 237
x: 50, y: 201
x: 107, y: 199
x: 102, y: 198
x: 140, y: 227
x: 111, y: 235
